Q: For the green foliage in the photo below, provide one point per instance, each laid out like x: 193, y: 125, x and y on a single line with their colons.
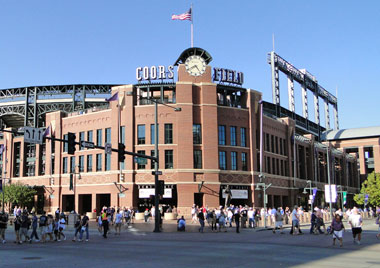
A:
x: 370, y: 186
x: 18, y: 193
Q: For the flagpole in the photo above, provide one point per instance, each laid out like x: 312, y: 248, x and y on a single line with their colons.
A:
x: 192, y: 26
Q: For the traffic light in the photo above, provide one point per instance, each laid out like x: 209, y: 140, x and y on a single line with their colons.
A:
x: 161, y: 187
x: 120, y: 152
x: 71, y: 143
x: 71, y: 186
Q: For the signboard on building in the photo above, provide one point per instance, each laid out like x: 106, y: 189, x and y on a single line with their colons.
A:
x: 237, y: 194
x: 147, y: 192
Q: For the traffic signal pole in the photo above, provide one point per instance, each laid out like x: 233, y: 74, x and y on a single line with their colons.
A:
x: 156, y: 190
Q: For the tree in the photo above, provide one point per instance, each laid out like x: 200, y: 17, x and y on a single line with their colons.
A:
x: 18, y: 193
x: 371, y: 187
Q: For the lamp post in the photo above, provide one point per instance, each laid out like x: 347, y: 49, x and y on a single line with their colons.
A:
x: 261, y: 140
x: 265, y: 187
x: 310, y: 188
x: 156, y: 183
x: 328, y: 178
x: 340, y: 190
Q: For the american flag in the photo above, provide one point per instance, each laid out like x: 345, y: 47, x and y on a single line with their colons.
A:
x: 183, y: 16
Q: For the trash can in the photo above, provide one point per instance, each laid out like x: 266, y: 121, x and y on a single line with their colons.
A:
x: 72, y: 218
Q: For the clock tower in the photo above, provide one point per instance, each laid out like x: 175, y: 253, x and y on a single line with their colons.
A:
x: 193, y: 66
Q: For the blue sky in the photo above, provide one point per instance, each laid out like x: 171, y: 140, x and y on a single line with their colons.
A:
x: 63, y: 42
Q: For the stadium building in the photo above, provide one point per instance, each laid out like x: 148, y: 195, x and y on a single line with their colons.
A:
x: 216, y: 141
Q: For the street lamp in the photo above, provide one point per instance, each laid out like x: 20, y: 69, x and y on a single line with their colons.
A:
x: 310, y: 188
x: 265, y: 187
x: 156, y: 183
x: 261, y: 140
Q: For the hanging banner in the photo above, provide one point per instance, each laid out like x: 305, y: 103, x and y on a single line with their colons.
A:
x: 333, y: 193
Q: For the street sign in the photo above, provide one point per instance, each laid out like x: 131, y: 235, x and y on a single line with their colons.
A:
x: 33, y: 135
x: 121, y: 195
x: 108, y: 148
x: 51, y: 196
x: 158, y: 173
x: 141, y: 160
x: 87, y: 144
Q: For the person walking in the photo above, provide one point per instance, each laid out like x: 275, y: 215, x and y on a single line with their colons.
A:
x: 278, y: 221
x: 25, y: 223
x: 3, y: 225
x: 201, y: 219
x: 378, y: 223
x: 105, y: 223
x: 84, y: 227
x: 118, y: 221
x: 42, y: 225
x: 237, y: 220
x: 17, y: 225
x: 213, y: 221
x: 34, y: 228
x: 337, y: 229
x: 356, y: 222
x: 61, y: 227
x: 295, y: 221
x: 222, y: 222
x: 77, y: 227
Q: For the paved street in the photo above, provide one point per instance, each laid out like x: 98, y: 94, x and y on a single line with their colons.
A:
x: 140, y: 247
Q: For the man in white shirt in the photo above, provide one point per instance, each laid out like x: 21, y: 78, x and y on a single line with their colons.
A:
x: 356, y: 222
x: 295, y: 221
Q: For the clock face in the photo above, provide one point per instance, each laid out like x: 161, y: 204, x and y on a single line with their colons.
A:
x: 195, y: 65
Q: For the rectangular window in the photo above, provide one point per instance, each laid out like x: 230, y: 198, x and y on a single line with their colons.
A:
x: 272, y: 143
x: 244, y: 163
x: 72, y: 164
x: 108, y: 135
x: 107, y: 162
x: 222, y: 160
x: 267, y: 166
x: 267, y: 142
x: 152, y: 133
x: 140, y: 134
x: 233, y: 160
x: 278, y: 167
x: 222, y: 135
x: 152, y: 162
x: 90, y: 136
x: 168, y: 133
x: 138, y: 165
x: 243, y: 137
x: 89, y: 163
x: 99, y: 137
x: 197, y: 134
x: 233, y: 136
x: 64, y: 165
x: 122, y: 134
x: 281, y: 149
x: 197, y: 158
x: 98, y: 162
x: 168, y: 159
x: 81, y: 163
x: 276, y: 145
x: 81, y: 138
x: 65, y: 144
x: 273, y: 166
